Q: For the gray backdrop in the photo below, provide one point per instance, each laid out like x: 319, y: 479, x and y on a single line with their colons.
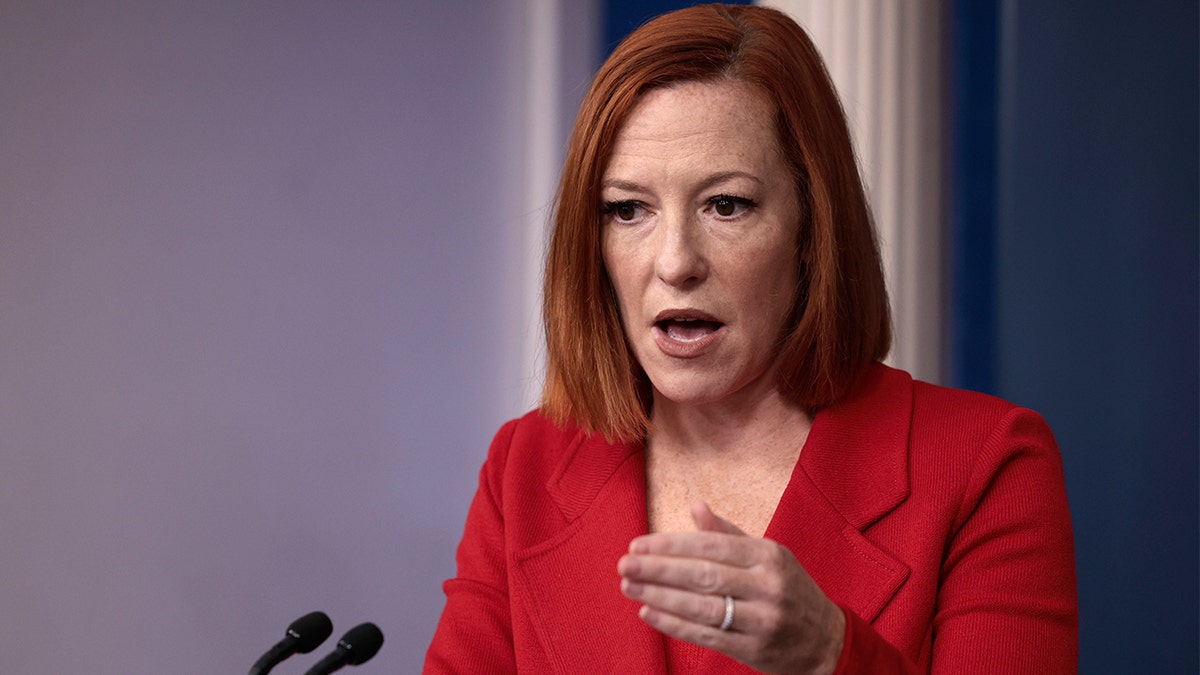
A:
x: 257, y: 280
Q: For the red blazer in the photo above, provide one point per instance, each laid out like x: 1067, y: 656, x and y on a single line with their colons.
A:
x: 937, y: 519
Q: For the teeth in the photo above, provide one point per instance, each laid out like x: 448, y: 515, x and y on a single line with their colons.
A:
x: 684, y: 318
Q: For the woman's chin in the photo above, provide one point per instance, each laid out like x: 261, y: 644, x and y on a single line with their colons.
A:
x: 696, y: 389
x: 693, y: 391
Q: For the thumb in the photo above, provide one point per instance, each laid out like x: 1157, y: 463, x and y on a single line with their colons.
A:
x: 707, y: 521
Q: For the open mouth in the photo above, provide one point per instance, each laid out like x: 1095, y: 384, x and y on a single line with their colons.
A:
x: 688, y: 329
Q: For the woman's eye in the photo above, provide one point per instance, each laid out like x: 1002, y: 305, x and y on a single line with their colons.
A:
x: 625, y: 211
x: 726, y: 206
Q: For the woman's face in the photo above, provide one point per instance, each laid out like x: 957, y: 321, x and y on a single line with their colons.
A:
x: 699, y: 238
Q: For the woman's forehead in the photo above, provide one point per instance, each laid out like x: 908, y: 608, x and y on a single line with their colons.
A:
x: 724, y: 121
x: 725, y: 100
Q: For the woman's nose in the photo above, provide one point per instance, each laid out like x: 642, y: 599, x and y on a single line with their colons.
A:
x: 680, y: 259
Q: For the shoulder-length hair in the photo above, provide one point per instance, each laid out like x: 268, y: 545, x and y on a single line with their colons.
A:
x: 841, y: 322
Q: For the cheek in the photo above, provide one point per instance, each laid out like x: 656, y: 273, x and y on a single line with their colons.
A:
x: 621, y: 268
x: 771, y: 282
x: 767, y: 264
x: 610, y: 254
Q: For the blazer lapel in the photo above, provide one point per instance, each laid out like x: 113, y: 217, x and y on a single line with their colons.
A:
x: 570, y: 579
x: 852, y: 471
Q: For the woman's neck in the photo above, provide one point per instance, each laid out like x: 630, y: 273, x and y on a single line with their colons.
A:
x: 736, y: 458
x: 758, y: 427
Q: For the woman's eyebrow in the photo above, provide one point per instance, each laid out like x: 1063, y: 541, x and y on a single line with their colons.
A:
x: 723, y: 176
x: 706, y: 182
x: 619, y: 184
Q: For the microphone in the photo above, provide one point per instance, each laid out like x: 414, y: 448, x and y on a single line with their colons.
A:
x: 357, y: 646
x: 302, y: 637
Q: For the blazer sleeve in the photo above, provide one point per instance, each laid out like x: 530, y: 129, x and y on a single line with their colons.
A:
x: 474, y: 634
x: 1007, y: 598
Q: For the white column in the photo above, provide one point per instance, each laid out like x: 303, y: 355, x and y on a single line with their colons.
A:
x: 885, y: 58
x: 543, y: 137
x: 560, y: 56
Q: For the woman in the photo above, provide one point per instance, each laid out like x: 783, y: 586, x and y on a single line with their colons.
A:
x: 722, y: 477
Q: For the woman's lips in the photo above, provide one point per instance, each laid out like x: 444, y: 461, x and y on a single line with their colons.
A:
x: 686, y: 334
x: 688, y: 331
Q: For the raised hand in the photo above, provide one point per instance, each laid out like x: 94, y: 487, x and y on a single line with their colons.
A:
x: 779, y: 621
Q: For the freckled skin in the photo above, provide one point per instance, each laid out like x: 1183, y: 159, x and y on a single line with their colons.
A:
x: 672, y: 246
x: 701, y: 220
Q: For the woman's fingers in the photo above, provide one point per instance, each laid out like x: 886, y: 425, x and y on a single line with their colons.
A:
x: 730, y: 642
x: 704, y: 609
x: 781, y: 619
x: 691, y: 574
x: 715, y: 559
x: 720, y: 547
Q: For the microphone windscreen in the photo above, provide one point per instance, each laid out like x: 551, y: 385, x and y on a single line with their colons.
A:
x: 362, y: 642
x: 310, y: 631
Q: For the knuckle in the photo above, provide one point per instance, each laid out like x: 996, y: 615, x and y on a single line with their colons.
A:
x: 712, y: 547
x: 708, y: 638
x: 777, y: 556
x: 775, y: 575
x: 772, y: 620
x: 712, y: 616
x: 708, y: 578
x: 697, y: 606
x: 773, y: 588
x: 760, y: 645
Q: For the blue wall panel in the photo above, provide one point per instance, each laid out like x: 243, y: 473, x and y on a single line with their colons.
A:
x: 621, y: 17
x: 971, y: 231
x: 1094, y: 281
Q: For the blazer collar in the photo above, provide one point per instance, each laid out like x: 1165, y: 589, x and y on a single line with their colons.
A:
x: 857, y: 451
x: 570, y: 579
x: 856, y: 454
x: 852, y: 471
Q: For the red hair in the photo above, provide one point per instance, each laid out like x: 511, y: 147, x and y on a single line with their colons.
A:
x: 842, y: 322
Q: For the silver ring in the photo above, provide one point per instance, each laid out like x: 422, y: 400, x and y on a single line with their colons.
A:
x: 728, y: 620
